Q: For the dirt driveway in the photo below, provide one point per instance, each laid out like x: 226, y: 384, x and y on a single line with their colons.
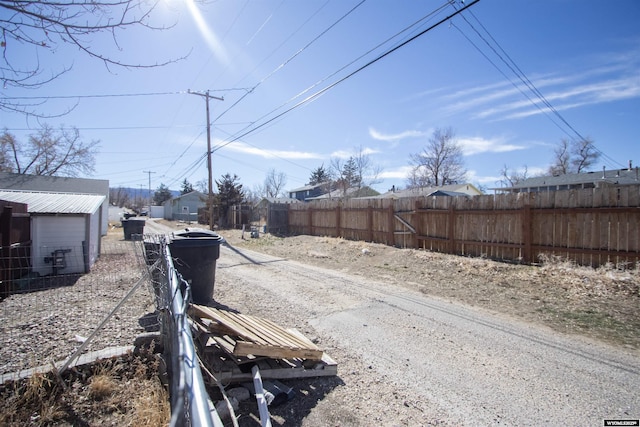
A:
x: 428, y: 339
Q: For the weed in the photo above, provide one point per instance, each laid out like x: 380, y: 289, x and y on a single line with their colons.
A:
x: 101, y: 386
x: 152, y: 407
x: 122, y: 391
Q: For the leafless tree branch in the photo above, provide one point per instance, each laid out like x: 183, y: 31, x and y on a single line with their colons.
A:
x: 441, y: 162
x: 48, y: 152
x: 47, y: 25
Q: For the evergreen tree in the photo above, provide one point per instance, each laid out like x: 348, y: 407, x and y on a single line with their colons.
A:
x: 350, y: 173
x: 187, y: 187
x: 319, y: 175
x: 229, y: 193
x: 161, y: 195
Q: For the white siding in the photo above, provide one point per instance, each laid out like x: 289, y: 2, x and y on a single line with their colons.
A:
x: 156, y: 212
x: 51, y: 232
x: 94, y: 238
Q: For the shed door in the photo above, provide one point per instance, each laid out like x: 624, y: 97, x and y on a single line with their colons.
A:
x: 50, y: 233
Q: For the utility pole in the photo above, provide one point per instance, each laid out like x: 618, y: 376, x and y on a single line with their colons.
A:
x: 207, y: 97
x: 140, y: 200
x: 149, y: 172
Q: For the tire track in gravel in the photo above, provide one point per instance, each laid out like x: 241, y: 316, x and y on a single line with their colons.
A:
x: 479, y: 368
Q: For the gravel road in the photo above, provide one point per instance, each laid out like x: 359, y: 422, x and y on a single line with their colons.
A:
x: 408, y: 359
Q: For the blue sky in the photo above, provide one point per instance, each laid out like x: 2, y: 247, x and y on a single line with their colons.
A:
x: 266, y: 56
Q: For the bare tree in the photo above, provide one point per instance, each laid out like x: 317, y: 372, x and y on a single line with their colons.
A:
x: 561, y: 159
x: 253, y: 196
x: 48, y: 152
x: 48, y: 25
x: 343, y: 174
x: 584, y: 154
x: 367, y: 173
x: 440, y: 163
x: 202, y: 186
x: 509, y: 177
x: 573, y: 156
x: 357, y: 172
x: 274, y: 183
x: 119, y: 196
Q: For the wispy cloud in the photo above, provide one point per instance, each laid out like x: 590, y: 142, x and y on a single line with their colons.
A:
x: 575, y: 97
x: 394, y: 137
x: 345, y: 154
x: 602, y: 83
x: 241, y: 147
x: 495, y: 180
x: 477, y: 145
x: 398, y: 173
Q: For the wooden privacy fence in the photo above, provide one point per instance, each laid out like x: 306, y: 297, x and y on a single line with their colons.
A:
x: 591, y: 226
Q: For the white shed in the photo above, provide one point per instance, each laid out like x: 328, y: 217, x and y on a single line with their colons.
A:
x: 65, y: 229
x: 60, y: 184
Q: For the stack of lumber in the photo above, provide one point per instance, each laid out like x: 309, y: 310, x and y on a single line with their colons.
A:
x: 235, y: 342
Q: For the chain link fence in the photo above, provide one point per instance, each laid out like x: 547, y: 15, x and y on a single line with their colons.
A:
x: 56, y: 319
x: 45, y: 318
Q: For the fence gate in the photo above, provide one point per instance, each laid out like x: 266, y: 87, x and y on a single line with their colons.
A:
x: 278, y: 218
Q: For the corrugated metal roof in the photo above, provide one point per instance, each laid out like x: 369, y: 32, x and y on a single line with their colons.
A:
x: 55, y: 203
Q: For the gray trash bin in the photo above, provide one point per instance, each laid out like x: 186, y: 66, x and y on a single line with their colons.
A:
x: 133, y: 228
x: 195, y: 251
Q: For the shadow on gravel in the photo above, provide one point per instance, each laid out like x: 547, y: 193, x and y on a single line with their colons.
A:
x: 308, y: 393
x: 245, y: 256
x: 34, y: 282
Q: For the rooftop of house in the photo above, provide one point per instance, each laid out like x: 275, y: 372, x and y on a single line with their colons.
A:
x: 307, y: 187
x: 444, y: 190
x: 279, y: 200
x: 625, y: 176
x: 16, y: 181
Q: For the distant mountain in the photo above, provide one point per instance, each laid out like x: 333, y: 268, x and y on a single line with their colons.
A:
x: 140, y: 192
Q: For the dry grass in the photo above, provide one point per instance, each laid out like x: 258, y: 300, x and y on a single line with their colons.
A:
x: 152, y: 408
x: 123, y: 391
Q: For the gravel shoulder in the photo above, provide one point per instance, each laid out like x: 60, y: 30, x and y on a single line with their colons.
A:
x: 429, y: 339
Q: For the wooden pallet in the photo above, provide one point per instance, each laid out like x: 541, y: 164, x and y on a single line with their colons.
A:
x: 233, y: 343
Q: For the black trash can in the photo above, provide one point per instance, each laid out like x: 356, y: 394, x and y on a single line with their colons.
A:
x: 195, y: 251
x: 133, y: 228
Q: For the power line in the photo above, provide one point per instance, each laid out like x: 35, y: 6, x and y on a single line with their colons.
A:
x: 513, y: 66
x: 519, y: 73
x: 283, y: 64
x: 437, y: 10
x: 308, y: 89
x: 118, y: 95
x: 368, y: 64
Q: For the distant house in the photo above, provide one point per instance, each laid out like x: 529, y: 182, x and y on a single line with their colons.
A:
x: 185, y: 207
x: 452, y: 190
x: 309, y: 191
x: 65, y: 229
x: 276, y: 200
x: 573, y: 181
x: 351, y: 193
x: 57, y: 184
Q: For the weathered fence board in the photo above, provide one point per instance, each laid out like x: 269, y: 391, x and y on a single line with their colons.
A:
x: 590, y: 227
